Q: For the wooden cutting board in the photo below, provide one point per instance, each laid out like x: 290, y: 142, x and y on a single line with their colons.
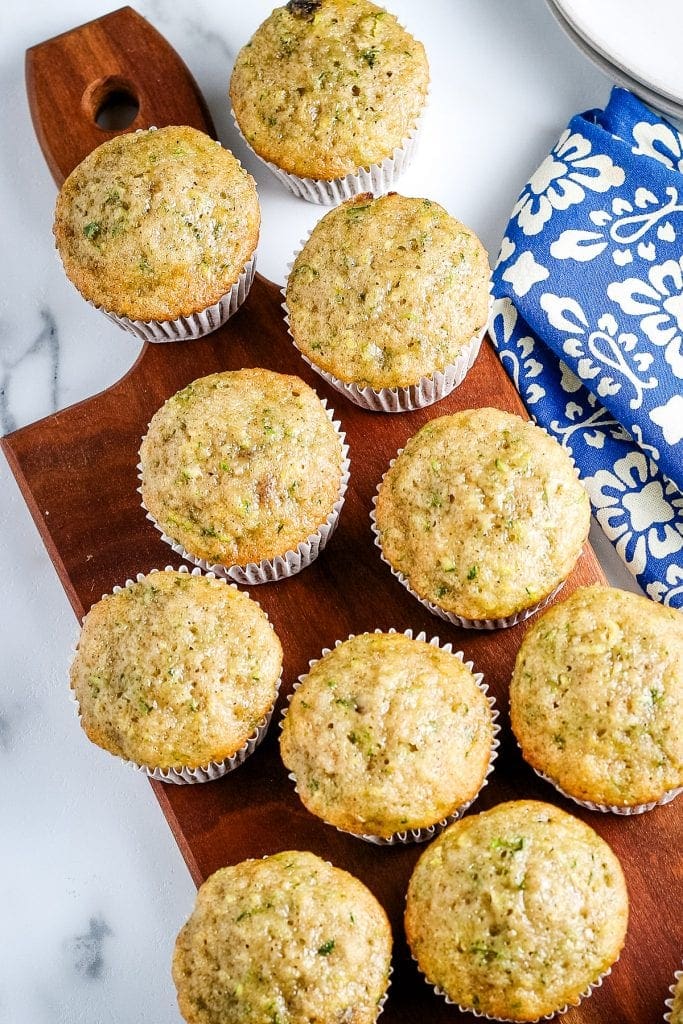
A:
x: 76, y: 470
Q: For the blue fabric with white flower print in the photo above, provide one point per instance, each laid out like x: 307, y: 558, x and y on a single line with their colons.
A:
x: 588, y: 322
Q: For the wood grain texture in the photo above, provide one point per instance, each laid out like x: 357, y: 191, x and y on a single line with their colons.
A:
x: 69, y: 77
x: 77, y: 472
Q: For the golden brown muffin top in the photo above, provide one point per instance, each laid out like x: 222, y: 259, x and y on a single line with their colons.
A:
x: 387, y: 291
x: 157, y: 224
x: 516, y: 911
x: 288, y: 938
x: 386, y: 734
x: 596, y: 698
x: 241, y: 466
x: 325, y: 88
x: 483, y: 513
x: 175, y: 671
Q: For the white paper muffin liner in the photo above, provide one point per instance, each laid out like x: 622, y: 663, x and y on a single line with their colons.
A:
x: 417, y: 396
x: 383, y: 1001
x: 413, y: 835
x: 378, y: 178
x: 670, y: 795
x: 426, y: 392
x: 546, y: 1016
x: 213, y: 769
x: 196, y: 325
x: 669, y: 1003
x: 457, y: 620
x: 280, y: 567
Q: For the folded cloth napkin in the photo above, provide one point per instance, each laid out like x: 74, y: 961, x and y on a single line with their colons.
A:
x: 588, y: 322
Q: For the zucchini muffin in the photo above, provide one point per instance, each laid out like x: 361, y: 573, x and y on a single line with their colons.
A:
x: 177, y: 672
x: 289, y: 939
x: 596, y: 699
x: 387, y: 735
x: 242, y: 467
x: 517, y: 912
x: 482, y: 517
x: 158, y: 228
x: 329, y: 93
x: 675, y: 1004
x: 386, y: 294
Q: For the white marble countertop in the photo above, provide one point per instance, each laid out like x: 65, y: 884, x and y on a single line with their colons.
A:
x: 92, y: 886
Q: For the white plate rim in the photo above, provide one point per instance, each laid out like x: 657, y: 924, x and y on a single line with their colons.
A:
x: 661, y: 103
x: 617, y: 61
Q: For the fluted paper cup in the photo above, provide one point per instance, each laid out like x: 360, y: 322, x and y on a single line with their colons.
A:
x: 666, y: 798
x: 669, y: 1003
x: 378, y: 178
x: 196, y: 325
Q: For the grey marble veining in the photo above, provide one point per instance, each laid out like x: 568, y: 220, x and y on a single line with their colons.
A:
x: 87, y: 951
x: 193, y: 22
x: 43, y: 355
x: 5, y: 734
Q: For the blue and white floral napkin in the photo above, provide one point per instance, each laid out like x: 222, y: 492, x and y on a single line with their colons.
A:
x: 588, y: 322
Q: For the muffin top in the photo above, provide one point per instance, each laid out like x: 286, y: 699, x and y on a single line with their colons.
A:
x: 483, y: 513
x: 386, y: 291
x: 241, y: 466
x: 677, y: 1008
x: 157, y: 224
x: 386, y: 734
x: 516, y: 911
x: 596, y: 698
x: 175, y: 671
x: 289, y: 939
x: 325, y: 88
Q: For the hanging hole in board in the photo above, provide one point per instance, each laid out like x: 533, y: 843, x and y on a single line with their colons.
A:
x: 111, y: 103
x: 118, y: 111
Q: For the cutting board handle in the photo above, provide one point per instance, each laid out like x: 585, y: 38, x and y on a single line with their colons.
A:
x: 70, y: 78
